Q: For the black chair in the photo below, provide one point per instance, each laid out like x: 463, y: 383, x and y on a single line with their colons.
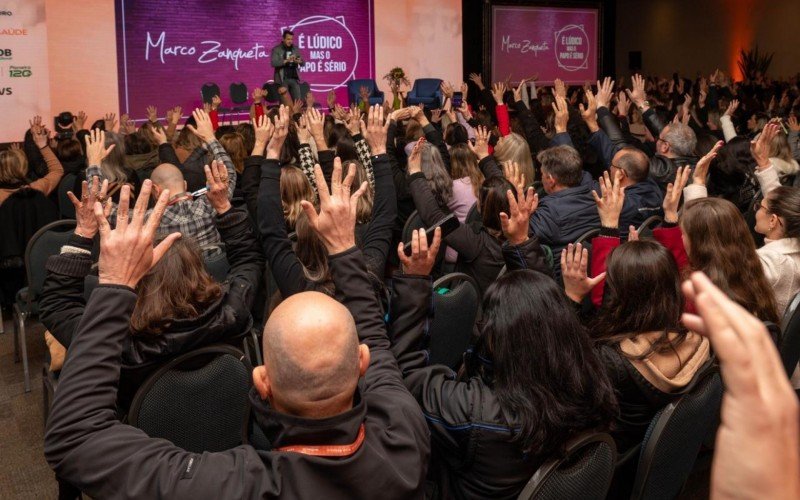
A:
x: 584, y: 471
x: 65, y: 206
x: 217, y: 266
x: 455, y: 304
x: 273, y: 96
x: 45, y: 242
x: 790, y: 336
x: 208, y: 91
x: 474, y: 215
x: 586, y: 238
x: 239, y: 97
x: 673, y: 440
x: 646, y: 229
x: 198, y: 401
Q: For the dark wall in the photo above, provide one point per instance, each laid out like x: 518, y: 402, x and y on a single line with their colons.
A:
x: 476, y: 16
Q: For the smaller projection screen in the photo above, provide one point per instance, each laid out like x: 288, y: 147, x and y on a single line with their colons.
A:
x: 545, y: 41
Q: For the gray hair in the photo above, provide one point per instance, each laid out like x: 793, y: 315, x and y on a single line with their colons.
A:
x: 564, y: 163
x: 436, y: 174
x: 681, y: 139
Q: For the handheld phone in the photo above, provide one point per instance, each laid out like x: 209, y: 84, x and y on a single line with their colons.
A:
x: 448, y: 225
x: 458, y: 98
x: 200, y: 192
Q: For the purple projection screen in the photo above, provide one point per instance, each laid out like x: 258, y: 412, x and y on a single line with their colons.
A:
x: 549, y: 41
x: 166, y: 51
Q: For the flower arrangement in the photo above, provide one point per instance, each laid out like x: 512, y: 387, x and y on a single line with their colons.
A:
x: 396, y: 76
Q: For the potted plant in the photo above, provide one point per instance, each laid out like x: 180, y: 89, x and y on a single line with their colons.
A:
x: 396, y: 77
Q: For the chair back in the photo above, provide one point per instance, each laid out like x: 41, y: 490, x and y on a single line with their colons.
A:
x: 238, y: 93
x: 218, y: 266
x: 586, y: 238
x: 198, y: 401
x: 272, y: 92
x: 208, y: 91
x: 646, y: 229
x: 425, y: 91
x: 673, y: 440
x: 584, y: 471
x: 65, y: 206
x: 789, y: 345
x: 22, y: 215
x: 455, y: 304
x: 45, y: 242
x: 354, y: 89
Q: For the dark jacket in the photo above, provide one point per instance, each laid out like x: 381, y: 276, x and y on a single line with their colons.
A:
x: 479, y: 253
x: 87, y: 446
x: 62, y: 304
x: 283, y: 263
x: 471, y: 435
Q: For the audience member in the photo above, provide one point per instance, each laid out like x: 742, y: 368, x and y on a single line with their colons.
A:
x: 14, y: 165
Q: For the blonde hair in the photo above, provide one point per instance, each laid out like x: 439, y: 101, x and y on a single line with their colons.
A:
x: 464, y: 163
x: 514, y: 147
x: 364, y: 208
x: 233, y: 143
x: 295, y: 188
x: 779, y: 148
x: 113, y: 165
x: 13, y: 166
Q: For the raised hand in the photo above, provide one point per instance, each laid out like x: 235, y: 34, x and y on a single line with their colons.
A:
x: 605, y: 91
x: 336, y: 221
x: 96, y: 149
x: 303, y: 133
x: 637, y: 93
x: 86, y: 226
x: 518, y: 91
x: 415, y: 158
x: 39, y: 132
x: 574, y: 266
x: 126, y: 252
x: 127, y: 125
x: 673, y: 197
x: 297, y: 106
x: 152, y: 114
x: 310, y: 100
x: 477, y: 79
x: 559, y: 89
x: 79, y: 121
x: 422, y: 258
x: 793, y: 125
x: 700, y: 172
x: 331, y: 99
x: 611, y: 200
x: 375, y: 130
x: 754, y: 378
x: 316, y: 125
x: 158, y: 134
x: 436, y: 115
x: 521, y: 207
x: 447, y: 89
x: 263, y: 132
x: 279, y: 133
x: 623, y: 104
x: 760, y: 147
x: 204, y: 129
x: 215, y: 102
x: 110, y: 121
x: 732, y: 107
x: 589, y: 114
x: 498, y: 89
x: 177, y: 113
x: 561, y: 114
x: 217, y: 183
x: 481, y: 146
x: 633, y: 233
x: 464, y: 110
x: 258, y: 95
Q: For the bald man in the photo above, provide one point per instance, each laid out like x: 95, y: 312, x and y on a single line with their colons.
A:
x: 330, y: 399
x: 643, y: 195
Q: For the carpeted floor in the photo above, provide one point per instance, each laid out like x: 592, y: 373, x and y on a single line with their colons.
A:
x: 23, y: 470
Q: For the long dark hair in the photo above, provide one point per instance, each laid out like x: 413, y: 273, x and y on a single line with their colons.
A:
x: 642, y: 294
x: 545, y: 372
x: 492, y: 200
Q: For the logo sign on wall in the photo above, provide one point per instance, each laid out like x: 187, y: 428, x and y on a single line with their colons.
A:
x: 164, y: 60
x: 551, y: 42
x: 24, y: 78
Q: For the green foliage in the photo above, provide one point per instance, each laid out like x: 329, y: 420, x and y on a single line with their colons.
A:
x: 752, y: 63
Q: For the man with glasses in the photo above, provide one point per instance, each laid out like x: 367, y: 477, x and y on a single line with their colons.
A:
x: 643, y: 196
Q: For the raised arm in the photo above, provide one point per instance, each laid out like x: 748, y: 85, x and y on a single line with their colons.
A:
x: 55, y: 171
x: 205, y: 131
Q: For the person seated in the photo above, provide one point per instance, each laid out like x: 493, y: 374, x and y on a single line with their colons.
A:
x: 524, y: 391
x: 479, y: 246
x: 330, y: 398
x: 306, y: 267
x: 643, y: 196
x: 180, y: 306
x: 14, y: 166
x: 650, y: 357
x: 568, y: 210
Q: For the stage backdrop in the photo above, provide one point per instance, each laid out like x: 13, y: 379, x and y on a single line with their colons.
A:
x: 167, y: 50
x: 551, y: 42
x: 24, y: 81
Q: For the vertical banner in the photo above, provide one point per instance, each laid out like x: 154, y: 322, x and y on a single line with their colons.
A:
x: 548, y: 41
x: 168, y: 50
x: 24, y: 79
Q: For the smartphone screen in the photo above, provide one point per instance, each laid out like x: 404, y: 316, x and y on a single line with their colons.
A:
x: 458, y: 97
x: 448, y: 225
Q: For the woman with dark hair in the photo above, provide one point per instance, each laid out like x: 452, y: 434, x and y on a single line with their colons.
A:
x: 480, y: 248
x: 180, y: 307
x: 525, y: 390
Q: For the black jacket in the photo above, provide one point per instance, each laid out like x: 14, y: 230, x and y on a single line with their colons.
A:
x: 284, y: 265
x: 62, y: 304
x: 471, y: 435
x: 480, y: 254
x: 87, y: 446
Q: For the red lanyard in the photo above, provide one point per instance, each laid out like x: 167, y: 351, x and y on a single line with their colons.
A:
x: 179, y: 198
x: 344, y: 450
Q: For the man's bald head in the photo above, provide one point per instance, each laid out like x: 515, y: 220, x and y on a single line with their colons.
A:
x: 311, y: 355
x: 634, y: 162
x: 168, y: 176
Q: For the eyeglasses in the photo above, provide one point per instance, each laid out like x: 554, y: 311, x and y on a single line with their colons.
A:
x: 664, y: 141
x: 758, y: 205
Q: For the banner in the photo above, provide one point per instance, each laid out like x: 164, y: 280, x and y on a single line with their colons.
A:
x: 166, y: 51
x: 551, y: 42
x: 24, y: 79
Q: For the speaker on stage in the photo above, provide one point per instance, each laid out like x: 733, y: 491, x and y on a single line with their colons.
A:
x: 635, y: 60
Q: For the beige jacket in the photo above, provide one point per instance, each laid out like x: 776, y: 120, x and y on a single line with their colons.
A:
x: 781, y: 262
x: 671, y: 370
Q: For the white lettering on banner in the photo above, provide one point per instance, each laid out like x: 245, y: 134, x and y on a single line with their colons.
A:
x: 523, y: 46
x: 572, y: 48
